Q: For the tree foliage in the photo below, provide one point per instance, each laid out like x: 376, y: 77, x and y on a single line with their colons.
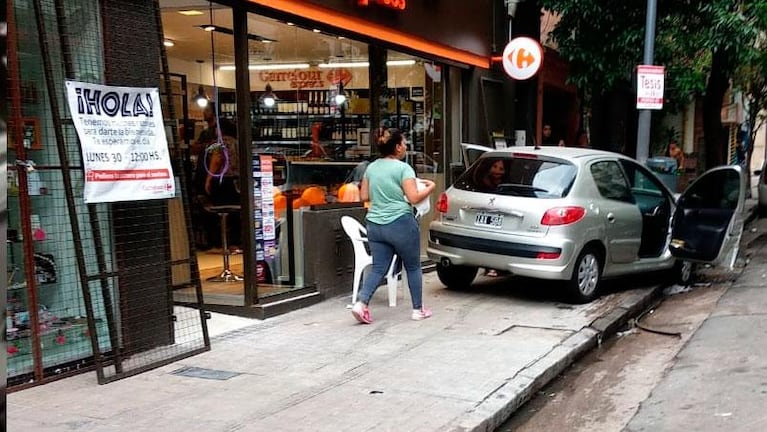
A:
x: 705, y: 45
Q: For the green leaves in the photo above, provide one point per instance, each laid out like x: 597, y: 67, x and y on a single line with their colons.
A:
x: 604, y: 39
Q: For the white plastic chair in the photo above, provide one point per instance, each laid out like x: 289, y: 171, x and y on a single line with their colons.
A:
x: 362, y: 259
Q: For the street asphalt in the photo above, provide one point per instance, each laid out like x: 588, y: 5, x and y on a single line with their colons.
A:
x: 483, y: 354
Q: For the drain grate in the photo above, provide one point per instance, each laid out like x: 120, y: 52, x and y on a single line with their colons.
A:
x: 196, y: 372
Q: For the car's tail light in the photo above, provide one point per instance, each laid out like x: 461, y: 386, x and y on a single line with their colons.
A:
x: 548, y: 255
x: 442, y: 203
x: 562, y: 215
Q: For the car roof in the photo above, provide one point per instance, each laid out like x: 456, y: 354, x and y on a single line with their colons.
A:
x: 559, y: 152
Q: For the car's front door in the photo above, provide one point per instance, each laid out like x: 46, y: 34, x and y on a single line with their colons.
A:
x: 655, y: 203
x: 472, y: 152
x: 708, y: 220
x: 618, y: 211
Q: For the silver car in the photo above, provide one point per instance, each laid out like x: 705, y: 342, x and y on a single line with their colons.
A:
x: 580, y: 215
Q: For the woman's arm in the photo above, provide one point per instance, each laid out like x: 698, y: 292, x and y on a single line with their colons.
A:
x: 215, y: 163
x: 364, y: 191
x: 412, y: 193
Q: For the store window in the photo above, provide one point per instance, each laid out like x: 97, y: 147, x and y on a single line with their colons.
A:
x: 314, y: 120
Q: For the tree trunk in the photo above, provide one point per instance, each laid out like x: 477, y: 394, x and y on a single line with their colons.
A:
x: 713, y: 133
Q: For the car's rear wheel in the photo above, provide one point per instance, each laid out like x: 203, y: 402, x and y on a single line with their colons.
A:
x: 456, y: 276
x: 584, y: 284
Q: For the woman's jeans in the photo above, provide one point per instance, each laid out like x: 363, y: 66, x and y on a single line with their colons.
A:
x: 401, y: 237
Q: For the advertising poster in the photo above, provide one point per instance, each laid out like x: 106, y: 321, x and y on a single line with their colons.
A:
x: 123, y: 142
x: 257, y: 216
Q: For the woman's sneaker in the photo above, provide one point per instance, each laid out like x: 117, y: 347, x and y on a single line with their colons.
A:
x: 420, y: 314
x: 362, y: 313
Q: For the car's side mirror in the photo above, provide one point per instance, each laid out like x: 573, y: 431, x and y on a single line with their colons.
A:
x: 758, y: 172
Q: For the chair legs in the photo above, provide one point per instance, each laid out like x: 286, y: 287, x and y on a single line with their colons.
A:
x: 391, y: 281
x: 226, y: 274
x: 357, y: 282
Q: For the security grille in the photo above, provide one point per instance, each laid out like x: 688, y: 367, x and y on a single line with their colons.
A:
x: 90, y: 285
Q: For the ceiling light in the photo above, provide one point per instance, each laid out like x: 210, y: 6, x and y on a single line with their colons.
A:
x: 344, y: 64
x: 268, y: 98
x: 400, y: 62
x: 200, y: 98
x: 341, y: 38
x: 290, y: 24
x: 226, y: 30
x: 168, y: 43
x: 317, y: 31
x: 365, y: 64
x: 190, y: 12
x: 268, y: 66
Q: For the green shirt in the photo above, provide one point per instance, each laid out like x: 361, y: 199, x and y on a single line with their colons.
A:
x: 387, y: 199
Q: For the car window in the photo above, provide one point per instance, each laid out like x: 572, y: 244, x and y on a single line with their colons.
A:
x: 640, y: 180
x: 519, y: 176
x: 716, y: 190
x: 647, y: 190
x: 611, y: 181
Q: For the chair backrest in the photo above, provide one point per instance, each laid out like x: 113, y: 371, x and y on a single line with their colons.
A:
x: 356, y: 233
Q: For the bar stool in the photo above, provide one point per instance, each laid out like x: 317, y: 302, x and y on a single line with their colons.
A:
x: 223, y: 211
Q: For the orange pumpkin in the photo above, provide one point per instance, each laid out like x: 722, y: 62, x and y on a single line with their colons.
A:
x: 299, y: 202
x: 280, y: 204
x: 314, y: 195
x: 349, y: 192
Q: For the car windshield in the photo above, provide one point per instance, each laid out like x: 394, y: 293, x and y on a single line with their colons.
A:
x: 519, y: 176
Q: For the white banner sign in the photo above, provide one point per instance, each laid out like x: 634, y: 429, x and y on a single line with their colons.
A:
x: 650, y: 87
x: 122, y: 138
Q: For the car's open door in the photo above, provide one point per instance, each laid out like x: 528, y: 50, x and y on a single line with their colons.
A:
x: 472, y: 152
x: 708, y: 220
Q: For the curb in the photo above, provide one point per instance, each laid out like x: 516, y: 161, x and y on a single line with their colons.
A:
x: 498, y: 406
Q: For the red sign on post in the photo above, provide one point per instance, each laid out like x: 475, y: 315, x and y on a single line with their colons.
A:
x: 650, y: 83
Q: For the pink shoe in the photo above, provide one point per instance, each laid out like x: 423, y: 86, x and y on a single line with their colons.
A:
x: 421, y: 314
x: 362, y: 313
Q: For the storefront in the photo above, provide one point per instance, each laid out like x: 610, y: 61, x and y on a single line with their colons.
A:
x: 324, y: 78
x: 306, y: 86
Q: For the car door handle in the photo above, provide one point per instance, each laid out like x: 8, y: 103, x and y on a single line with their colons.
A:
x: 610, y: 217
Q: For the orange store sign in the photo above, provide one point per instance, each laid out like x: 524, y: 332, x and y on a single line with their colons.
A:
x: 391, y: 4
x: 308, y: 79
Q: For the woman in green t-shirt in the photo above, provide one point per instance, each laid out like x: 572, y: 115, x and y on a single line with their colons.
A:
x: 390, y: 186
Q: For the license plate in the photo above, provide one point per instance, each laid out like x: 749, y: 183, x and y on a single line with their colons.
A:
x: 488, y: 219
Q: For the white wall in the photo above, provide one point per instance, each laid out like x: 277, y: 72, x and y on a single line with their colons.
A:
x: 193, y: 69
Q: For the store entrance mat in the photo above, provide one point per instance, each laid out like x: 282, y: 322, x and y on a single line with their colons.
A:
x: 196, y: 372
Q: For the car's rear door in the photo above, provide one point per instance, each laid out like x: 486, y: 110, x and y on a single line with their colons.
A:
x: 617, y: 209
x: 708, y: 220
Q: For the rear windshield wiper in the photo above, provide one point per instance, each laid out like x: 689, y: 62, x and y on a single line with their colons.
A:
x: 509, y: 187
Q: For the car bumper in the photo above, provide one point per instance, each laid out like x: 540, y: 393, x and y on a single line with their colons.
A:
x: 516, y: 254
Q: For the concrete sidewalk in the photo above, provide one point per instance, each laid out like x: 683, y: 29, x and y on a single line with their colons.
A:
x: 484, y: 353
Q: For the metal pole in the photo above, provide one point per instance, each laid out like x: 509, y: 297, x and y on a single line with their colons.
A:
x: 645, y: 116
